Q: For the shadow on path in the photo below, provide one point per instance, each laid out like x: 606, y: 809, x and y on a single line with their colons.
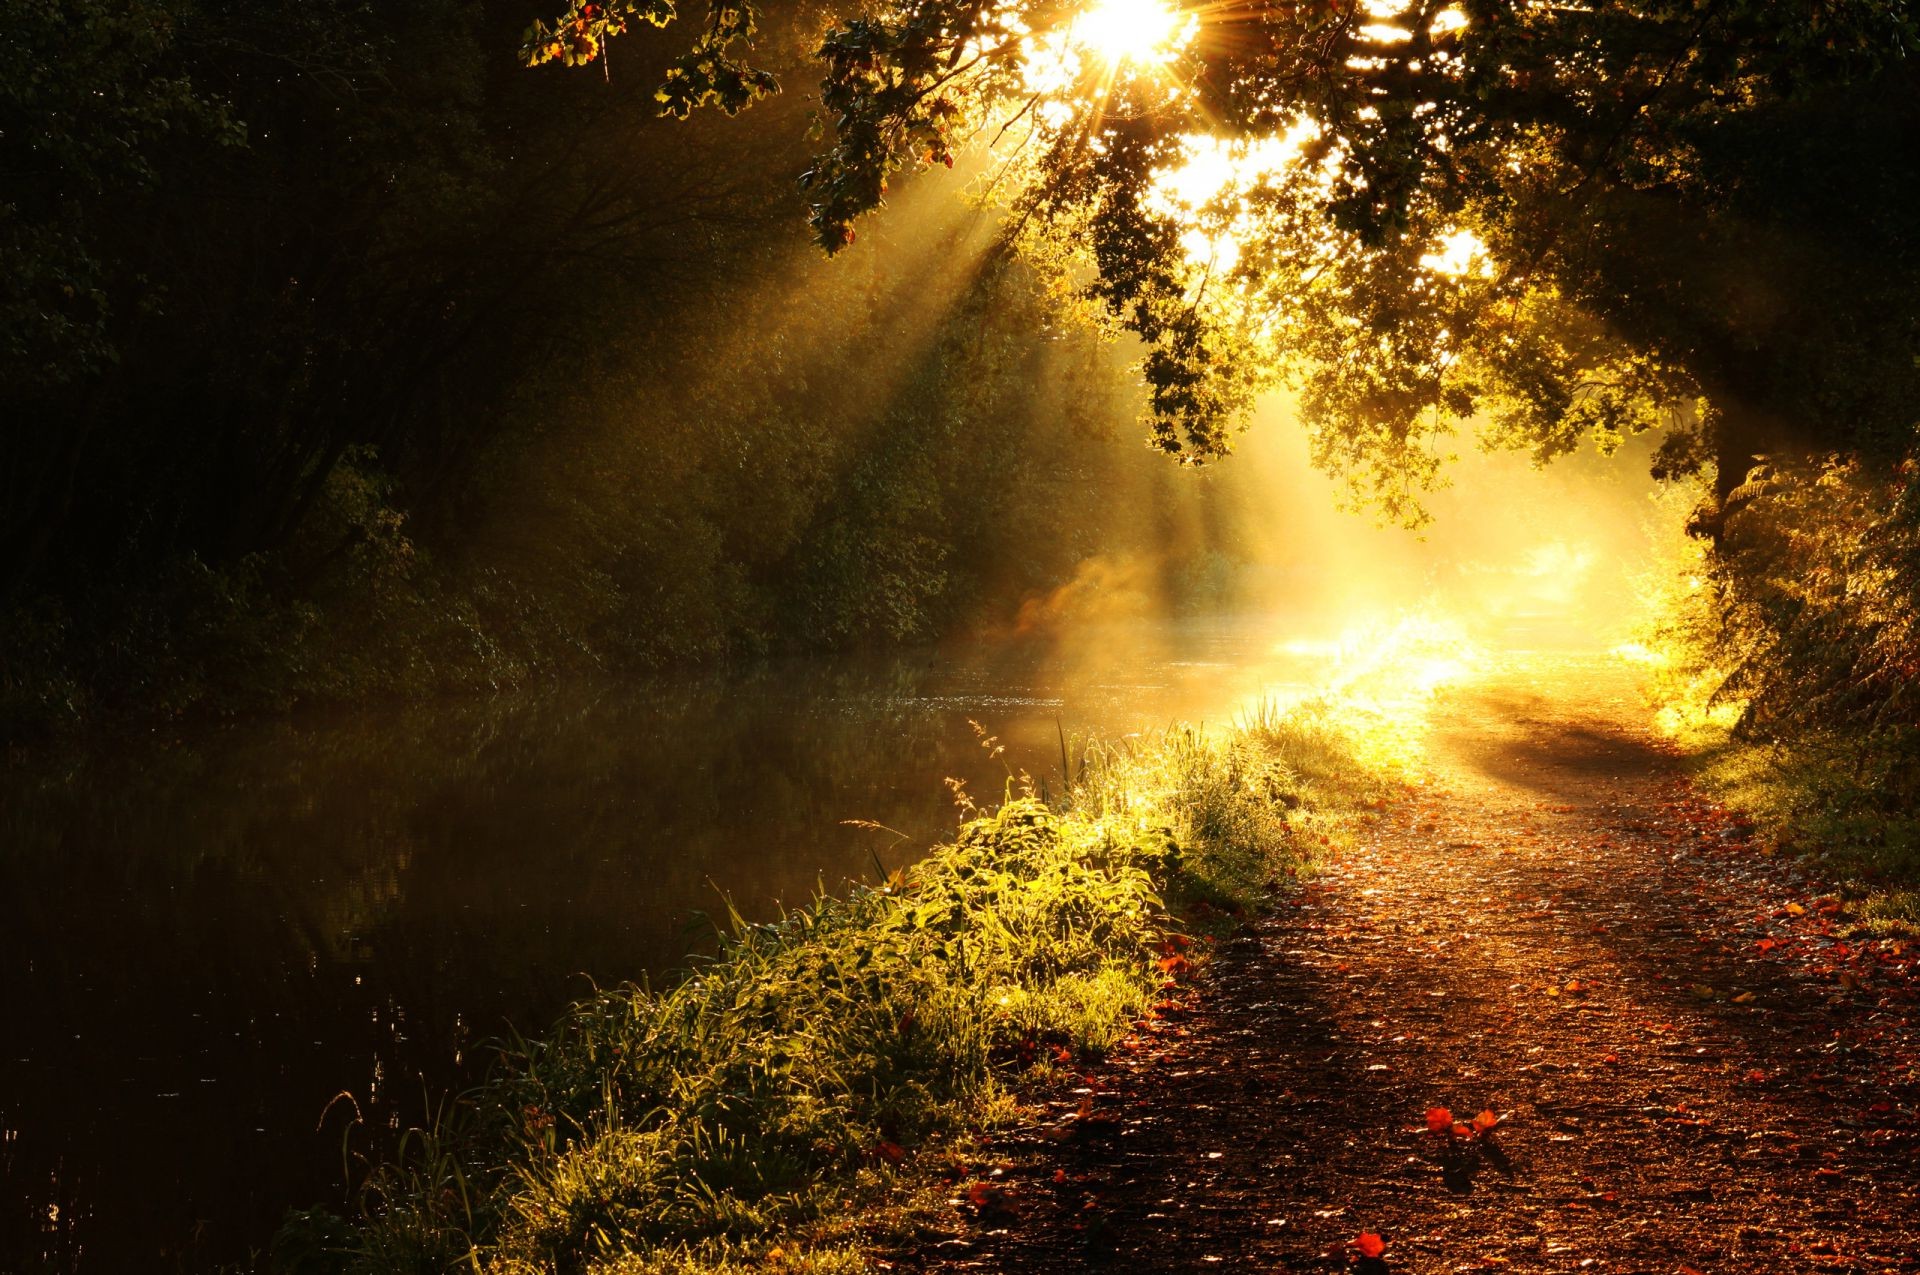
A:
x: 1695, y: 1064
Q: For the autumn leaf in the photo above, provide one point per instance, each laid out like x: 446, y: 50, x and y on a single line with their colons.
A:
x: 891, y: 1152
x: 1369, y: 1244
x: 1439, y: 1119
x: 1485, y: 1121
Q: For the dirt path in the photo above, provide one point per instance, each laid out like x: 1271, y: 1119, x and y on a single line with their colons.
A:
x: 1695, y: 1064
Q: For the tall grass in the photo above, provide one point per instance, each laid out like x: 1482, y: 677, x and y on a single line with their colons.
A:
x: 756, y: 1109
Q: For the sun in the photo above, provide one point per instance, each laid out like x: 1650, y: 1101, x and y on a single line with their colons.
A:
x: 1142, y: 32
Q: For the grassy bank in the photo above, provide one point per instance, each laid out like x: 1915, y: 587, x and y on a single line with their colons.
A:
x: 1782, y: 663
x: 790, y: 1103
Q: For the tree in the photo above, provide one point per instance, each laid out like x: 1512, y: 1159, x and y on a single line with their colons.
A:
x: 1582, y: 218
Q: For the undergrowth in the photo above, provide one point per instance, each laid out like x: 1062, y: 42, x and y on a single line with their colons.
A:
x: 1784, y: 664
x: 785, y: 1103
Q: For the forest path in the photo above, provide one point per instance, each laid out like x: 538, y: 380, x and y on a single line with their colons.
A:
x: 1696, y: 1066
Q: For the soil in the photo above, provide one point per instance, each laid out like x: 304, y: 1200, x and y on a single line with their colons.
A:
x: 1697, y: 1062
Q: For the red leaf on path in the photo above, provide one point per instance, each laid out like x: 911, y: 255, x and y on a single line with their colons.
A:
x: 1439, y: 1119
x: 1461, y: 1131
x: 1757, y: 1076
x: 1485, y: 1121
x: 1370, y: 1244
x: 1175, y: 965
x: 891, y: 1152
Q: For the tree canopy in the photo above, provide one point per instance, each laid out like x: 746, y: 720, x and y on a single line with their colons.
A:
x: 1581, y: 219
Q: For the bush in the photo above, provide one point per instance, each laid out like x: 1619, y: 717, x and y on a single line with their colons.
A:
x: 1787, y: 658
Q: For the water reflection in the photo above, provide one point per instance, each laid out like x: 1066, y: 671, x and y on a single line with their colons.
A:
x: 204, y: 939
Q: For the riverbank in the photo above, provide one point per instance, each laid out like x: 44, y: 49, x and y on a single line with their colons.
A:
x: 208, y: 934
x: 810, y: 1094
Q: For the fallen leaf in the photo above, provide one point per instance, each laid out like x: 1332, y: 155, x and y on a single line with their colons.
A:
x: 1370, y: 1244
x: 1485, y: 1121
x: 1439, y: 1119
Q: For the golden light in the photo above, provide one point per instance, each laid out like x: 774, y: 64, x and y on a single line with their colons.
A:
x: 1459, y: 253
x: 1142, y: 32
x: 1207, y: 188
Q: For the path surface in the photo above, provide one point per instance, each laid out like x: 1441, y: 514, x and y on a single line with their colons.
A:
x: 1697, y: 1065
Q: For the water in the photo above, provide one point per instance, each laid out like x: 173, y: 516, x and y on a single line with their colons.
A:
x: 227, y: 956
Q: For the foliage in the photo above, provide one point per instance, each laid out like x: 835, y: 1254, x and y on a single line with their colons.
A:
x: 1789, y: 664
x: 818, y: 1060
x: 1650, y: 193
x: 517, y: 400
x: 89, y: 96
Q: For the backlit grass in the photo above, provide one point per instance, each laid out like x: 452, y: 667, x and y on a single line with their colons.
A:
x: 784, y: 1103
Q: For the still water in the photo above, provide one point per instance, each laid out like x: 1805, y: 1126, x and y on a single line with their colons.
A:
x: 219, y: 949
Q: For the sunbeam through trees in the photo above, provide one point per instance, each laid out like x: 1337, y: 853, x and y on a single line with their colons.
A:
x: 959, y: 635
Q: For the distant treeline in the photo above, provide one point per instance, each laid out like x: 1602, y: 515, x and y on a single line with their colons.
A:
x: 340, y: 355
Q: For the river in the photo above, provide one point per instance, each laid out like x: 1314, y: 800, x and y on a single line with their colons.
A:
x: 231, y: 957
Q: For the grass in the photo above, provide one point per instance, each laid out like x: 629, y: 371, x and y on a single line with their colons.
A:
x: 786, y: 1100
x: 789, y: 1103
x: 1832, y: 788
x: 1819, y: 798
